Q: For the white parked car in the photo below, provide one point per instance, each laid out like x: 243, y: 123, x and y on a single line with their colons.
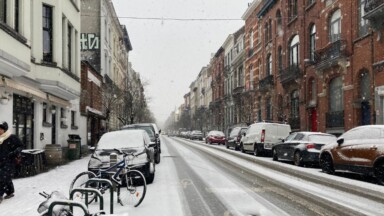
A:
x: 261, y: 136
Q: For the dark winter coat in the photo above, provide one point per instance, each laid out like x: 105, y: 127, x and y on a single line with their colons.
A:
x: 9, y: 150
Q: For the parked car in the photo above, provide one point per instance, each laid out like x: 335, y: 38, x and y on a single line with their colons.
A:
x: 234, y: 137
x: 136, y: 141
x: 215, y: 137
x: 196, y: 134
x: 261, y: 136
x: 359, y: 150
x: 302, y: 147
x: 153, y: 133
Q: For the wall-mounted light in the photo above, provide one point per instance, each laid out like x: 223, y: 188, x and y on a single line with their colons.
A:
x: 53, y: 109
x: 5, y: 97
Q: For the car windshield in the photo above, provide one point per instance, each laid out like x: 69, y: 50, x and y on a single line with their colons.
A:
x: 322, y: 138
x: 121, y: 140
x: 147, y: 129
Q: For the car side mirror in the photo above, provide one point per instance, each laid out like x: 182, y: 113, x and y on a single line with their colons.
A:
x: 244, y: 134
x: 157, y: 135
x: 340, y: 140
x: 160, y: 131
x: 92, y: 149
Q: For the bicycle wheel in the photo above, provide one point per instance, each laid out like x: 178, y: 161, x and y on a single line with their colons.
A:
x: 80, y: 182
x: 133, y: 190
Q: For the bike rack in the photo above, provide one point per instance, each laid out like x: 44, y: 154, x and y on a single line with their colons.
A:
x: 67, y: 203
x: 86, y: 191
x: 106, y: 181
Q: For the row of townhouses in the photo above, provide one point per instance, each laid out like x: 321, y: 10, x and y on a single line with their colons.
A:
x: 64, y: 70
x: 317, y: 65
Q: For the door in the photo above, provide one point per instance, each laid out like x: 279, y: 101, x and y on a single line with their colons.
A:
x: 313, y: 120
x: 23, y: 120
x: 365, y: 113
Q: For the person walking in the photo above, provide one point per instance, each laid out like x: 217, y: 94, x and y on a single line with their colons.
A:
x: 10, y: 148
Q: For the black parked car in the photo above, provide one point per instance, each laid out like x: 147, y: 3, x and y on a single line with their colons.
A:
x: 302, y: 147
x: 234, y: 137
x: 153, y: 134
x: 136, y: 141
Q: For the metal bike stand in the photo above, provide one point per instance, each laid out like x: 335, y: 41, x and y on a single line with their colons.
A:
x: 106, y: 181
x: 86, y: 191
x: 67, y: 203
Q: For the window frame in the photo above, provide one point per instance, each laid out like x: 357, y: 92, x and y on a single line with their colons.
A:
x: 48, y: 18
x: 336, y: 95
x: 294, y: 48
x: 312, y: 42
x: 335, y: 21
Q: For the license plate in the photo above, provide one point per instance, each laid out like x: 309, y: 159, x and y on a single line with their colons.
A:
x: 268, y: 145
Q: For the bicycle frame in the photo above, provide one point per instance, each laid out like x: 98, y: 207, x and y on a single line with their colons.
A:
x: 121, y: 165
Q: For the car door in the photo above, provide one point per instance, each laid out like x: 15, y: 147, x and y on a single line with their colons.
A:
x: 364, y: 150
x: 286, y: 149
x: 342, y: 153
x: 249, y: 137
x: 291, y: 147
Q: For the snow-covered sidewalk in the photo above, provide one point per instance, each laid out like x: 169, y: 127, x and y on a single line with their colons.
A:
x: 162, y: 197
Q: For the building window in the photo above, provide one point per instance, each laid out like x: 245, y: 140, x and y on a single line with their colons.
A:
x: 312, y: 43
x: 69, y: 47
x: 312, y: 90
x: 335, y: 26
x: 251, y: 39
x: 260, y: 69
x: 365, y: 86
x: 363, y: 23
x: 294, y: 51
x: 45, y: 108
x: 292, y: 10
x: 336, y: 95
x: 266, y: 32
x: 279, y: 28
x: 259, y: 110
x: 295, y: 104
x: 269, y: 108
x: 280, y: 58
x: 17, y: 14
x: 251, y: 76
x: 3, y: 11
x: 47, y: 33
x: 73, y: 113
x: 269, y: 65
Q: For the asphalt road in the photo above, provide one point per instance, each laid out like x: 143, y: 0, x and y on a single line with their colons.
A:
x: 204, y: 193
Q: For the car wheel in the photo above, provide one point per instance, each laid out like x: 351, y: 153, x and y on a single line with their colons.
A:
x: 150, y: 178
x: 256, y: 151
x: 226, y: 145
x: 151, y: 171
x: 242, y: 148
x: 326, y: 164
x: 157, y: 158
x: 298, y: 159
x: 236, y: 148
x: 209, y: 142
x: 379, y: 172
x: 274, y: 155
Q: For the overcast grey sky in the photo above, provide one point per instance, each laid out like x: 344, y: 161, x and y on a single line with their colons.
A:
x: 169, y: 53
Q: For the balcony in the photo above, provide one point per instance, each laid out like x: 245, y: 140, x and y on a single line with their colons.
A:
x: 374, y: 10
x: 290, y: 74
x: 330, y: 55
x: 294, y: 122
x: 266, y: 83
x: 238, y: 90
x: 335, y: 119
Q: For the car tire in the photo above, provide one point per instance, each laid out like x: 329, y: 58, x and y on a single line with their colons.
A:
x: 226, y: 145
x: 150, y: 178
x: 379, y: 172
x: 298, y: 159
x: 242, y: 148
x: 209, y: 142
x: 256, y: 151
x: 236, y: 148
x: 274, y: 155
x: 326, y: 164
x: 157, y: 158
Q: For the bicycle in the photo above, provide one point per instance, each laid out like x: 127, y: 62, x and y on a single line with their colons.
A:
x: 124, y: 177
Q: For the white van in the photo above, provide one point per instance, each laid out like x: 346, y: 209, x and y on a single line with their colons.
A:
x: 261, y: 136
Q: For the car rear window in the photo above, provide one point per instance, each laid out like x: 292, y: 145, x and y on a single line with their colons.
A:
x: 147, y: 129
x: 321, y: 138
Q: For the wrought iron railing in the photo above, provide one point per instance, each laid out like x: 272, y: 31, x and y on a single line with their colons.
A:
x: 238, y: 90
x: 327, y: 55
x: 266, y: 82
x: 335, y: 119
x: 290, y: 74
x: 371, y: 5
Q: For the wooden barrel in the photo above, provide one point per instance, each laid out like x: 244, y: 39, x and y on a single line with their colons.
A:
x: 53, y: 154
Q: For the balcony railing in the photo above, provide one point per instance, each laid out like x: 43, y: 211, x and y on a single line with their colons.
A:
x: 238, y: 90
x: 329, y: 55
x: 374, y: 12
x: 290, y: 74
x: 335, y: 119
x: 294, y: 122
x: 265, y: 83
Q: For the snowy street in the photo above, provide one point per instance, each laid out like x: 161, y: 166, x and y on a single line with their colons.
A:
x: 194, y: 178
